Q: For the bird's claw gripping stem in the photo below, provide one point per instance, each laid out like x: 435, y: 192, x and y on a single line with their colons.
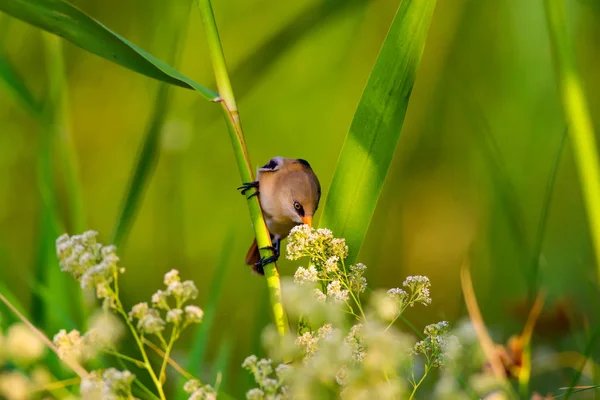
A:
x: 268, y: 260
x: 247, y: 186
x: 264, y: 261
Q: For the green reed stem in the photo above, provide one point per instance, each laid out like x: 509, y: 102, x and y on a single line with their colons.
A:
x: 578, y: 118
x: 238, y: 142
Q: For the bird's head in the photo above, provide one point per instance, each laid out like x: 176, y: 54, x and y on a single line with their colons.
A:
x: 302, y: 195
x: 293, y: 185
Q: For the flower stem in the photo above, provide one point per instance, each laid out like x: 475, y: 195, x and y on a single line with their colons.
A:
x: 236, y: 134
x: 174, y: 334
x: 139, y: 363
x: 415, y: 387
x: 171, y: 362
x: 138, y: 340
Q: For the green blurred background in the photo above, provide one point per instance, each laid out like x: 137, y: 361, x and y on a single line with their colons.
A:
x: 469, y: 178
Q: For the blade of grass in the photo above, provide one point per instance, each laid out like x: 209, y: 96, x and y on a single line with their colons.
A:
x: 17, y: 88
x: 541, y: 228
x: 63, y: 19
x: 371, y: 142
x: 195, y: 357
x: 149, y: 152
x: 61, y: 128
x: 58, y: 128
x: 222, y: 362
x: 576, y: 391
x: 578, y: 118
x: 236, y: 134
x: 143, y: 169
x: 46, y: 271
x: 587, y: 352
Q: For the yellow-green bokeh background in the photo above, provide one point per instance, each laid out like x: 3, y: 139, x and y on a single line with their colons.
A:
x: 468, y: 179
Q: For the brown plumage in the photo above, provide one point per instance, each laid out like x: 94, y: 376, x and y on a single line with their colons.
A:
x: 289, y: 194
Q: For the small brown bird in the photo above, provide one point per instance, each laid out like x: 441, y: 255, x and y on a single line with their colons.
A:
x: 289, y: 194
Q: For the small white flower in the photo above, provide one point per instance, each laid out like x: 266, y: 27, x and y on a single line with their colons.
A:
x: 15, y: 386
x: 171, y: 276
x: 139, y: 311
x: 22, y: 345
x: 152, y: 323
x: 335, y: 291
x: 304, y: 275
x: 105, y: 329
x: 70, y: 345
x: 250, y: 362
x: 190, y: 291
x: 175, y: 316
x: 160, y: 300
x: 193, y: 314
x: 319, y: 295
x: 282, y: 371
x: 255, y: 394
x: 419, y: 286
x: 331, y: 265
x: 192, y: 385
x: 175, y: 289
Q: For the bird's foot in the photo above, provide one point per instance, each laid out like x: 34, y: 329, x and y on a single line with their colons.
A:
x: 247, y: 186
x: 259, y: 266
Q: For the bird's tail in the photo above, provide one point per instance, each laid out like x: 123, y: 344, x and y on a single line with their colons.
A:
x: 253, y: 256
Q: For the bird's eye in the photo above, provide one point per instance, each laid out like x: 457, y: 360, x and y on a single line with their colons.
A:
x: 297, y: 205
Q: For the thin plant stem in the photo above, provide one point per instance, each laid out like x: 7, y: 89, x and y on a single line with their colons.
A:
x: 138, y: 340
x: 174, y: 334
x: 74, y: 365
x: 138, y: 383
x: 236, y: 134
x: 578, y: 118
x: 416, y: 386
x: 56, y: 385
x: 126, y: 358
x: 171, y: 362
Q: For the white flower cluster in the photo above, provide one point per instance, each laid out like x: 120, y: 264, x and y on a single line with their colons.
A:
x: 198, y: 391
x: 304, y: 241
x: 362, y: 362
x: 172, y: 302
x: 433, y: 347
x: 105, y: 330
x: 109, y: 384
x: 326, y: 265
x: 91, y: 263
x: 21, y: 350
x: 419, y: 287
x: 270, y: 386
x: 309, y: 341
x: 364, y: 359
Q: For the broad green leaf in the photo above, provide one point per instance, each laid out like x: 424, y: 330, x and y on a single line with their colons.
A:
x: 63, y: 19
x: 371, y: 142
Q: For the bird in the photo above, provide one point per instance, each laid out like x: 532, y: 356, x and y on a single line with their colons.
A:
x: 289, y: 192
